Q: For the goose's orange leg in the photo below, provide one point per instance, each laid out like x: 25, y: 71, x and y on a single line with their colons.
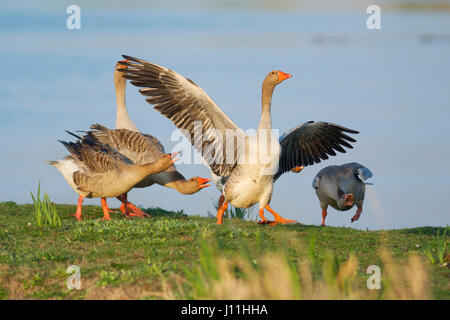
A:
x: 78, y: 212
x: 221, y: 211
x: 122, y: 209
x: 123, y: 199
x: 105, y: 210
x: 357, y: 215
x: 324, y: 215
x: 221, y: 200
x: 135, y: 211
x: 131, y: 209
x: 278, y: 218
x: 261, y: 215
x: 264, y: 220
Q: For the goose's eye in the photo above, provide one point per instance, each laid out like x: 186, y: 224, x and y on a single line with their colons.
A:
x: 273, y: 72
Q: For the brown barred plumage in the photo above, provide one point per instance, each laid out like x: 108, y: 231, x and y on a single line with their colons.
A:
x: 139, y: 148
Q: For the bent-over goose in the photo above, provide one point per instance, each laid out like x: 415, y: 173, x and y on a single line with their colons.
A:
x: 170, y: 178
x: 341, y: 187
x: 142, y: 148
x: 250, y: 163
x: 95, y: 170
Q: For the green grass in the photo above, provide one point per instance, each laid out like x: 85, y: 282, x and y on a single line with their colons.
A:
x: 160, y: 257
x: 437, y: 249
x: 45, y: 212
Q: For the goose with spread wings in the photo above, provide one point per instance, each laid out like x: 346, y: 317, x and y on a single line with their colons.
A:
x: 250, y: 163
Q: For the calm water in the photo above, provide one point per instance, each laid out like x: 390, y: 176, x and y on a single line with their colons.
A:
x: 391, y: 84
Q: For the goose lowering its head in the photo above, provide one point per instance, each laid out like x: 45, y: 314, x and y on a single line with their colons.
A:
x: 341, y: 187
x: 249, y: 163
x: 95, y: 170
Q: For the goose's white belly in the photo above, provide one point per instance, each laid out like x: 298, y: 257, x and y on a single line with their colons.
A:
x: 253, y: 182
x: 248, y: 190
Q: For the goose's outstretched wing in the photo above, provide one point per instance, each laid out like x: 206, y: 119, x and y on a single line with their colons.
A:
x: 183, y: 102
x: 310, y: 143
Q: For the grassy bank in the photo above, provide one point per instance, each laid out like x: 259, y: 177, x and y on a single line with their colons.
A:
x: 175, y: 256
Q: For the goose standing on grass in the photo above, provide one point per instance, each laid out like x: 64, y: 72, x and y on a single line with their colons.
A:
x: 341, y: 187
x: 254, y: 161
x: 95, y: 170
x: 170, y: 178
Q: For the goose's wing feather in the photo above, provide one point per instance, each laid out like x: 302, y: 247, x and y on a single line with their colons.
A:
x: 316, y: 182
x: 95, y: 157
x: 139, y: 148
x: 189, y: 107
x: 82, y: 179
x: 363, y: 172
x: 312, y: 142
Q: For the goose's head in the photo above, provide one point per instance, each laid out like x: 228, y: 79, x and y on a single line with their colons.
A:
x: 192, y: 185
x: 276, y: 77
x: 167, y: 160
x: 119, y: 80
x: 121, y: 66
x: 346, y: 201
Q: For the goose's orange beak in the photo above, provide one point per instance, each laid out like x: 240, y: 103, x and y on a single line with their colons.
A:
x: 202, y: 181
x: 173, y: 157
x: 283, y: 76
x: 349, y: 199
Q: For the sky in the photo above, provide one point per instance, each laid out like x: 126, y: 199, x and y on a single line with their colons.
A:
x: 390, y: 84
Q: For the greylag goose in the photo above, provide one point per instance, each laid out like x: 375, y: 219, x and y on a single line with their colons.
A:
x: 341, y: 187
x: 250, y: 163
x: 95, y: 170
x: 170, y: 178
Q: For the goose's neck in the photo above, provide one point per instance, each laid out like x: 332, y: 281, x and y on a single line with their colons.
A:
x: 153, y: 167
x: 175, y: 180
x: 172, y: 179
x: 183, y: 186
x: 123, y: 120
x: 266, y: 100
